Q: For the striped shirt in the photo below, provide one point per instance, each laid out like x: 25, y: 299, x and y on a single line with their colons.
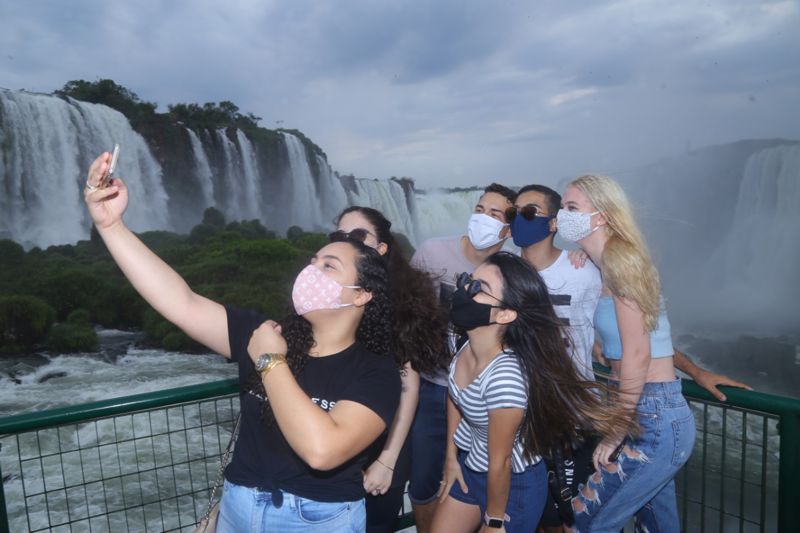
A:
x: 500, y: 385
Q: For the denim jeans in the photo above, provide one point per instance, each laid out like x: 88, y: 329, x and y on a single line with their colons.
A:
x: 640, y: 483
x: 428, y: 442
x: 526, y: 497
x: 248, y: 510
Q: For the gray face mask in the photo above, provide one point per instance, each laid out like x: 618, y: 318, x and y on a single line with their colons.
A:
x: 574, y: 226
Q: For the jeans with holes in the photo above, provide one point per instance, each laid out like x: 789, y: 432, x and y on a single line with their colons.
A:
x: 249, y: 510
x: 641, y: 483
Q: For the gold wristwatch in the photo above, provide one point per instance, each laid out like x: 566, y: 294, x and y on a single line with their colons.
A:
x: 268, y: 361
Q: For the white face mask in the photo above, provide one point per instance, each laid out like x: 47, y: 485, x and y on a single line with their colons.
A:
x: 484, y: 231
x: 574, y: 226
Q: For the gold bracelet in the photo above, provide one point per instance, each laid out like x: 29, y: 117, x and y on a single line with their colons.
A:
x: 384, y: 464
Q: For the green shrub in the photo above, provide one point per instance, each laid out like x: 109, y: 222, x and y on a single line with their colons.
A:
x: 24, y: 320
x: 70, y: 337
x: 312, y: 241
x: 80, y: 317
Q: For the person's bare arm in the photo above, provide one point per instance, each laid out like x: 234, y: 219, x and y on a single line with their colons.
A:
x: 379, y: 474
x: 705, y: 378
x: 202, y: 319
x: 503, y: 426
x: 633, y: 368
x: 324, y: 440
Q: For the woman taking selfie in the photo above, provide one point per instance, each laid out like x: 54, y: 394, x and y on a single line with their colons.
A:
x: 631, y: 323
x: 515, y: 395
x: 418, y: 345
x: 317, y: 388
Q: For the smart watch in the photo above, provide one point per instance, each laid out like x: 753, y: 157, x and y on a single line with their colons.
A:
x: 490, y: 521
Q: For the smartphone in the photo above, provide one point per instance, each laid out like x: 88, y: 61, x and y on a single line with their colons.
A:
x: 615, y: 454
x: 112, y: 167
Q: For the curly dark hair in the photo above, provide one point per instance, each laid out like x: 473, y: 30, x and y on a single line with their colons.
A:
x: 374, y: 331
x: 420, y: 325
x: 562, y: 406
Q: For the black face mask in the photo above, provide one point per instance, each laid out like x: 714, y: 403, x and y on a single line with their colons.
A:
x: 468, y: 314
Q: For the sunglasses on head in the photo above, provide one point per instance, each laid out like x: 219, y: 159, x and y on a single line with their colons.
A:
x: 358, y: 234
x: 528, y: 212
x: 473, y: 287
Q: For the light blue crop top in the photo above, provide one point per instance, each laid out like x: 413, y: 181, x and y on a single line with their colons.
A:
x: 605, y: 323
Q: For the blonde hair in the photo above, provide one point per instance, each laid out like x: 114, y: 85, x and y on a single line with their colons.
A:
x: 628, y: 269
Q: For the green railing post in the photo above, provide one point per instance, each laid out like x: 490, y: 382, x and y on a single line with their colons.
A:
x: 789, y: 472
x: 3, y: 512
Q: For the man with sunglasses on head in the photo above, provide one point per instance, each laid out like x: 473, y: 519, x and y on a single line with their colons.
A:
x: 444, y: 258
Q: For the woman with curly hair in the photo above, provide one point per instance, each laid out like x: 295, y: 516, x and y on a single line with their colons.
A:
x: 514, y: 395
x: 632, y: 324
x: 324, y: 386
x: 419, y: 344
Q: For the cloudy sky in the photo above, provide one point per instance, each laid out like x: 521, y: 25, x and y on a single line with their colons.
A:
x: 450, y: 92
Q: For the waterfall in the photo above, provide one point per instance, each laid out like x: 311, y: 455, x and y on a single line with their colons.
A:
x: 202, y: 168
x: 250, y: 175
x: 444, y: 212
x: 305, y: 199
x: 389, y: 198
x: 332, y: 194
x: 756, y: 266
x: 47, y: 143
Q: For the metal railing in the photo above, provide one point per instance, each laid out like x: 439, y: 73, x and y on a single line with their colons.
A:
x: 146, y: 462
x: 744, y: 472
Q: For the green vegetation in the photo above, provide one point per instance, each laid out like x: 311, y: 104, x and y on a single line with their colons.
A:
x: 51, y: 299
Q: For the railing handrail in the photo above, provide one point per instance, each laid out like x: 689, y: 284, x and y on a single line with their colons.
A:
x: 786, y: 408
x: 758, y: 401
x: 735, y: 397
x: 115, y: 406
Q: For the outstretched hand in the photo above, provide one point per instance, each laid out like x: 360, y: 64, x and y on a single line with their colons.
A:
x: 710, y: 381
x: 266, y: 339
x: 106, y: 204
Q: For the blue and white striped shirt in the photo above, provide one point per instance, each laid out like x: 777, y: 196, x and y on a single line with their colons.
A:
x: 500, y: 385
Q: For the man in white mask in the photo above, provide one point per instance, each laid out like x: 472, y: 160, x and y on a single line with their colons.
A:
x: 444, y: 258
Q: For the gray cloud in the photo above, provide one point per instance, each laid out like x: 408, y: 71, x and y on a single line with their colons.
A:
x: 449, y: 92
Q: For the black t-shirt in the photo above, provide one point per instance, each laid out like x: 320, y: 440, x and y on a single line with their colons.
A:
x: 263, y: 458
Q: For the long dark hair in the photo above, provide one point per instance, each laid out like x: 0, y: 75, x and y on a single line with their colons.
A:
x: 560, y: 402
x: 419, y: 331
x: 374, y: 331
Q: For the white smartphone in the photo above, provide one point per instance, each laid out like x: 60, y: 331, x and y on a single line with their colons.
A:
x: 112, y: 167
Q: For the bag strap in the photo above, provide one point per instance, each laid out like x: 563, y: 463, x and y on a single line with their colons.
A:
x: 557, y: 483
x: 226, y: 458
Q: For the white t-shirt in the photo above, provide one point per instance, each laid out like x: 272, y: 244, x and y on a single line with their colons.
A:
x: 574, y: 293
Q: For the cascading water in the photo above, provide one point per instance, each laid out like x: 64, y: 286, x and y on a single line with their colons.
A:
x: 47, y: 143
x: 305, y: 198
x: 202, y: 168
x: 756, y: 266
x: 388, y: 198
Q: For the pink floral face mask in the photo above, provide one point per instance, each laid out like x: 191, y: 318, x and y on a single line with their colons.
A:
x: 313, y: 290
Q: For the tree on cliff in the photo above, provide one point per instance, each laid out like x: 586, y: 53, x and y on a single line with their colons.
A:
x: 109, y: 93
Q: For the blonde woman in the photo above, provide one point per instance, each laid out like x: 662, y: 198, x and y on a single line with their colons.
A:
x: 634, y: 476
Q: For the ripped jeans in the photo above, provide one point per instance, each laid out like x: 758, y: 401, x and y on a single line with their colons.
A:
x: 640, y: 483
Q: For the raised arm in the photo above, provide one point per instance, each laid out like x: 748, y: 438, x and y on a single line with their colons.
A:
x: 202, y: 319
x: 705, y: 378
x: 379, y: 474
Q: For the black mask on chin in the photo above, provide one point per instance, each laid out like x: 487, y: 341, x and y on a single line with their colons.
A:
x: 468, y: 314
